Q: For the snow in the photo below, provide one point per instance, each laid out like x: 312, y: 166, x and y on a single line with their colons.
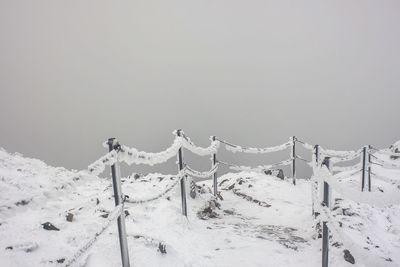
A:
x: 261, y: 220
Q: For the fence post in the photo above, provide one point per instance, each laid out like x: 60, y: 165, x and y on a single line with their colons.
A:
x: 183, y: 189
x: 315, y: 185
x: 214, y: 162
x: 294, y: 159
x: 118, y: 198
x: 325, y: 230
x: 364, y: 167
x: 369, y: 168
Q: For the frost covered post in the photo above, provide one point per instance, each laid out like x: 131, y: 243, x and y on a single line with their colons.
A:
x: 183, y: 189
x: 214, y: 162
x: 294, y: 159
x: 369, y: 168
x: 325, y: 230
x: 316, y: 151
x: 315, y: 185
x: 118, y: 198
x: 364, y: 167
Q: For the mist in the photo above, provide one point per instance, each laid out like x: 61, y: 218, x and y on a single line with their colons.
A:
x: 75, y: 73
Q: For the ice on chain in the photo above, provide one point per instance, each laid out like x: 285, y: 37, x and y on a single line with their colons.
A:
x: 348, y: 158
x: 98, y: 166
x: 339, y: 154
x: 112, y: 217
x: 189, y: 171
x: 259, y: 168
x: 346, y: 168
x: 235, y: 148
x: 132, y: 155
x: 307, y: 146
x: 371, y: 198
x: 178, y: 178
x: 189, y: 145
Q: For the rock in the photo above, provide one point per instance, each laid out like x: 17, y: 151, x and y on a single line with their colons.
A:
x: 396, y: 150
x: 127, y: 213
x: 22, y: 202
x: 97, y: 201
x: 69, y: 217
x: 9, y: 248
x: 162, y: 248
x: 208, y: 211
x: 49, y: 226
x: 278, y: 173
x: 348, y: 257
x: 61, y: 260
x: 105, y: 215
x: 137, y: 176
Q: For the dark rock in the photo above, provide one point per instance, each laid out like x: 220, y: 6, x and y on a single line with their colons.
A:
x: 231, y: 187
x: 348, y: 257
x: 396, y: 150
x: 97, y: 201
x: 278, y: 173
x: 49, y: 226
x: 69, y: 217
x: 127, y: 213
x: 61, y: 260
x: 208, y: 211
x: 268, y: 172
x: 219, y: 195
x: 137, y: 176
x: 162, y: 248
x: 223, y: 182
x: 250, y: 185
x: 22, y: 202
x: 346, y: 212
x: 105, y: 215
x: 9, y: 248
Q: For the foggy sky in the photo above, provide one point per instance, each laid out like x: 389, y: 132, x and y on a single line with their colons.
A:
x: 73, y: 73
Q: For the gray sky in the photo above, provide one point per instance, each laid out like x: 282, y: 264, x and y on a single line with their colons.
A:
x: 73, y: 73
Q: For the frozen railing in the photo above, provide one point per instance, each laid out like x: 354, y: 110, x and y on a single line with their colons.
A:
x: 121, y: 153
x: 327, y: 182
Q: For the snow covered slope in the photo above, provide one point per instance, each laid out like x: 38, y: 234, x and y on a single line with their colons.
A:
x: 258, y: 220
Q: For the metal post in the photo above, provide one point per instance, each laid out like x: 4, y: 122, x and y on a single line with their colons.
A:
x: 294, y: 159
x: 315, y: 185
x: 183, y: 189
x: 214, y: 162
x: 364, y: 163
x: 369, y: 168
x: 118, y: 198
x: 325, y: 230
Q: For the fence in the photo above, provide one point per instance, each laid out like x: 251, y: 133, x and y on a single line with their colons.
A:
x: 120, y: 153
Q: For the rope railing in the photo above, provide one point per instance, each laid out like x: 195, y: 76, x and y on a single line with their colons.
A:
x: 357, y: 167
x: 189, y: 145
x: 111, y: 217
x: 323, y: 176
x: 258, y: 168
x: 142, y: 201
x: 189, y: 171
x: 385, y: 152
x: 129, y: 155
x: 253, y: 150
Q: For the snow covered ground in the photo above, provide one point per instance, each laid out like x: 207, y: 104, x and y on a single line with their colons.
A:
x: 259, y: 220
